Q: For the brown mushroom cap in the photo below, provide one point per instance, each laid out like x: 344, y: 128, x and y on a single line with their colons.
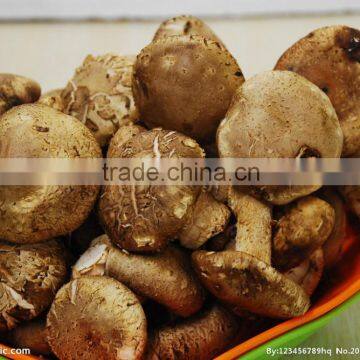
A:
x: 207, y: 218
x: 279, y: 114
x: 16, y: 90
x: 245, y: 282
x: 31, y: 214
x: 30, y: 276
x: 305, y: 226
x: 96, y: 317
x: 185, y: 83
x: 30, y: 335
x: 201, y: 337
x: 123, y: 135
x: 185, y: 25
x: 330, y: 58
x: 53, y: 99
x: 100, y: 95
x: 145, y: 218
x: 333, y: 247
x: 165, y: 277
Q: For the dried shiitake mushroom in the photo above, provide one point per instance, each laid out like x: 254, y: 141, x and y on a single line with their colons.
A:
x: 243, y: 278
x: 185, y: 83
x: 16, y: 90
x: 201, y: 337
x: 30, y: 275
x: 165, y: 277
x: 31, y: 214
x: 330, y: 58
x: 207, y: 218
x: 100, y: 95
x: 96, y: 317
x: 279, y: 114
x: 30, y: 335
x: 308, y: 274
x: 146, y: 217
x: 53, y: 99
x: 304, y: 227
x: 185, y: 25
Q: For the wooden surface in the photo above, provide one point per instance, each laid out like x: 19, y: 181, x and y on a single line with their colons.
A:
x: 49, y: 52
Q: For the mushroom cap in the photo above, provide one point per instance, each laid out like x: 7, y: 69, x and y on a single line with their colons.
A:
x: 30, y: 276
x: 330, y: 58
x: 185, y: 83
x: 53, y: 99
x: 33, y: 214
x: 185, y: 25
x: 145, y: 218
x: 123, y: 135
x: 30, y: 335
x: 242, y: 281
x: 166, y: 277
x: 306, y: 226
x: 16, y: 90
x: 100, y: 95
x: 96, y: 317
x: 279, y: 114
x: 201, y: 337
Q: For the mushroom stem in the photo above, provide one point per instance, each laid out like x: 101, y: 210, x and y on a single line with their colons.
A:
x: 253, y: 235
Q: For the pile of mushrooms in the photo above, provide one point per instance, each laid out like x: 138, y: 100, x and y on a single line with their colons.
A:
x: 174, y: 271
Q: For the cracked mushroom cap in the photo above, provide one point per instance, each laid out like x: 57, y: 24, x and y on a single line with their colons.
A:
x: 279, y: 114
x: 305, y: 226
x: 185, y: 25
x: 145, y: 217
x: 30, y: 335
x: 330, y: 58
x: 166, y: 277
x: 31, y: 214
x: 201, y: 337
x: 16, y: 90
x: 185, y: 83
x: 30, y: 276
x: 100, y: 95
x: 244, y: 282
x: 96, y: 317
x: 53, y: 99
